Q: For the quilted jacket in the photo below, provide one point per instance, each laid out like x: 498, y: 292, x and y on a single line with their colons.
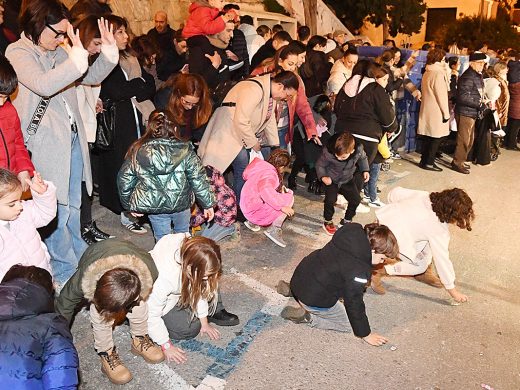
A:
x: 164, y: 177
x: 469, y: 93
x: 36, y: 350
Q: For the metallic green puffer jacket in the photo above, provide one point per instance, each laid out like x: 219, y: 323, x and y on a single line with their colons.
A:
x: 165, y: 177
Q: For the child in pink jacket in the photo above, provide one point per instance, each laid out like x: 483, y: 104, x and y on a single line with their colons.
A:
x: 20, y: 242
x: 206, y: 19
x: 264, y: 200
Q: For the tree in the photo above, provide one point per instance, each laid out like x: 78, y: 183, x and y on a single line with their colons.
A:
x: 396, y: 16
x: 311, y: 15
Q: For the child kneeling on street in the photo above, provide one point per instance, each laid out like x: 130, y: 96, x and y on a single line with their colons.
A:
x: 116, y: 278
x: 341, y: 269
x: 342, y: 167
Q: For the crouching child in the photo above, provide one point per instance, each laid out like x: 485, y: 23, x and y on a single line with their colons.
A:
x: 116, y: 278
x: 340, y: 270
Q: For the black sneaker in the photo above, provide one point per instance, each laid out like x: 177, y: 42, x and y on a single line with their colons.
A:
x: 136, y: 228
x: 224, y: 318
x: 88, y: 236
x: 97, y: 232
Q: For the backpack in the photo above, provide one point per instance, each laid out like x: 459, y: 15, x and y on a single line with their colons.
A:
x: 220, y: 92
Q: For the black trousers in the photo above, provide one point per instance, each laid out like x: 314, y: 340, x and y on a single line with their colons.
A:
x: 370, y: 149
x: 349, y: 190
x: 85, y: 216
x: 430, y: 146
x: 513, y: 126
x: 299, y: 152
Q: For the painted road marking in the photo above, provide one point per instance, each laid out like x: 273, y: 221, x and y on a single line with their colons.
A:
x: 173, y: 380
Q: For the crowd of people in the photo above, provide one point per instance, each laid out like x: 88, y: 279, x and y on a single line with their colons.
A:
x: 193, y: 131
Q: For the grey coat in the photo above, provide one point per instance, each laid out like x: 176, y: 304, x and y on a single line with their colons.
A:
x: 53, y: 74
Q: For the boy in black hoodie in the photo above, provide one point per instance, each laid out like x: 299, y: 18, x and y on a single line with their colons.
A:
x: 341, y: 269
x: 342, y: 167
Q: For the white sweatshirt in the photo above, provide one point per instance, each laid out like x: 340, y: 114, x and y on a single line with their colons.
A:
x: 410, y: 217
x: 166, y: 290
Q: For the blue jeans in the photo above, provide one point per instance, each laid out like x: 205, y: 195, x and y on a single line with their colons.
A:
x: 282, y: 132
x: 216, y: 232
x: 162, y: 223
x: 65, y: 244
x: 370, y: 188
x: 239, y: 165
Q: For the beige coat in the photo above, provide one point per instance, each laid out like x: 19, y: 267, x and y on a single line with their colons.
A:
x: 434, y: 104
x: 232, y: 128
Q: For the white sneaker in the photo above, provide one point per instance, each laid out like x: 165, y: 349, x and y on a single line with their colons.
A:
x: 251, y: 226
x: 362, y: 209
x: 365, y: 199
x: 376, y: 203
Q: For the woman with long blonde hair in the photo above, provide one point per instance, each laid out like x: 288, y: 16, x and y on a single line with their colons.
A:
x: 185, y: 297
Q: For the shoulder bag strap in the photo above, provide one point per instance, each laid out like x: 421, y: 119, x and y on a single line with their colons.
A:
x: 37, y: 117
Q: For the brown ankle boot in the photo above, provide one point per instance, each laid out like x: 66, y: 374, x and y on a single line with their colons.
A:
x: 429, y: 277
x: 114, y: 368
x: 375, y: 283
x: 145, y: 347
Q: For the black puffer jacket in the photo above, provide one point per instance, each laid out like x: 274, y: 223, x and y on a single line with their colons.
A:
x: 469, y: 98
x: 513, y: 76
x: 341, y: 172
x: 341, y: 269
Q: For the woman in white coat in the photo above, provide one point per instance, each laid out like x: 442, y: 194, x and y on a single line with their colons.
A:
x: 434, y: 114
x: 246, y: 121
x: 419, y: 221
x: 52, y: 127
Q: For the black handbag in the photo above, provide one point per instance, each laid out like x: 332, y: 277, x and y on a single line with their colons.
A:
x: 106, y: 127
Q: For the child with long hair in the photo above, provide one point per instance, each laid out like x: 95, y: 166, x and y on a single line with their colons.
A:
x: 161, y: 175
x: 185, y: 296
x: 20, y: 242
x: 264, y: 199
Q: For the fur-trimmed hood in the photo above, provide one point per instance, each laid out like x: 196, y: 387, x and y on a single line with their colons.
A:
x: 98, y: 259
x: 96, y: 270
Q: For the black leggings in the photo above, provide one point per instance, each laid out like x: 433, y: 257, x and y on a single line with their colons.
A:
x: 299, y: 152
x: 350, y: 191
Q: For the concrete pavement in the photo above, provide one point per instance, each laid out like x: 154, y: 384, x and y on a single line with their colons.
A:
x: 433, y: 345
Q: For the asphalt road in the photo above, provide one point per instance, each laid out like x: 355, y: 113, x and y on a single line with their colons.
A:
x: 433, y: 345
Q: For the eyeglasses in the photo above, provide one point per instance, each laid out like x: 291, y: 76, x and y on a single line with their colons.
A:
x: 187, y: 103
x: 59, y: 34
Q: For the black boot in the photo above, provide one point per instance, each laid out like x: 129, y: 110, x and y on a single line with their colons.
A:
x: 224, y: 318
x: 318, y: 190
x: 312, y: 186
x: 291, y: 183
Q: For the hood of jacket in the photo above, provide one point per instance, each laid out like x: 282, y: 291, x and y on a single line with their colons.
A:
x: 350, y: 239
x: 247, y: 29
x: 160, y: 156
x: 355, y: 85
x: 198, y: 4
x: 112, y: 253
x: 258, y: 167
x: 21, y: 298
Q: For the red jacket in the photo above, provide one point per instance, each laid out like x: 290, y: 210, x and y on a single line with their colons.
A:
x: 299, y: 105
x: 203, y: 20
x: 13, y: 154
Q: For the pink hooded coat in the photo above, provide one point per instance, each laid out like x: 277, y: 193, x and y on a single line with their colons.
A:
x: 259, y: 201
x: 21, y: 243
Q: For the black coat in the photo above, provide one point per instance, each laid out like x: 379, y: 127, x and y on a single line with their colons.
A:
x: 341, y: 269
x: 369, y: 113
x: 341, y: 172
x: 170, y: 63
x: 238, y: 45
x: 315, y: 72
x: 513, y: 76
x: 200, y: 64
x: 36, y: 349
x: 393, y: 83
x: 265, y: 52
x: 164, y: 40
x: 469, y: 100
x: 116, y: 88
x: 481, y: 150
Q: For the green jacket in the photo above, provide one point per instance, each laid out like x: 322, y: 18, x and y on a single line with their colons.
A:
x: 99, y: 258
x: 164, y: 178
